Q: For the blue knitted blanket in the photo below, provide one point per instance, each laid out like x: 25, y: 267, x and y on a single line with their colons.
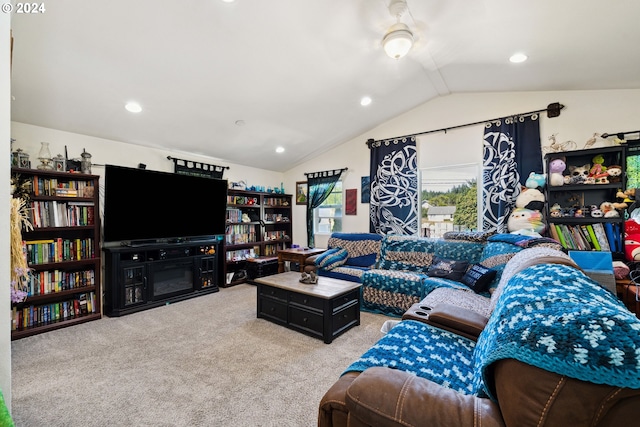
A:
x: 556, y: 318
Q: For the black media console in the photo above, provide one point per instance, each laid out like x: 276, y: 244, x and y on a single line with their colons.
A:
x: 146, y: 276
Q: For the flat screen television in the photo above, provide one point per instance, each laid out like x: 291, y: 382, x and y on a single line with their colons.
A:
x: 144, y: 206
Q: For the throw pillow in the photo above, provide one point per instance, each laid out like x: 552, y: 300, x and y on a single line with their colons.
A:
x: 332, y: 258
x: 447, y: 268
x: 478, y: 277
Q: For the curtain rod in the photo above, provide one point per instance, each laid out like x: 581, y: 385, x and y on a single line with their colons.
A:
x: 553, y: 110
x: 195, y: 163
x: 619, y: 135
x: 326, y: 173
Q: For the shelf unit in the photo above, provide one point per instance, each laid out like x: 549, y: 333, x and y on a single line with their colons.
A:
x: 265, y: 228
x: 576, y: 201
x: 63, y: 252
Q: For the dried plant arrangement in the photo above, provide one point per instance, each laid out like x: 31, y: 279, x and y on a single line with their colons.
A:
x: 19, y: 268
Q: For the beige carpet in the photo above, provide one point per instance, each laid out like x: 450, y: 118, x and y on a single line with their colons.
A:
x: 207, y: 361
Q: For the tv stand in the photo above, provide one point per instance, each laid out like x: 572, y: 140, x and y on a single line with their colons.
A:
x: 139, y: 277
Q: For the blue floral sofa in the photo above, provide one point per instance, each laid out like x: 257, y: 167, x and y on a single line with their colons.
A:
x: 557, y: 350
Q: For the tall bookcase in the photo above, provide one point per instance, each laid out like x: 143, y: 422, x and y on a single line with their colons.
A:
x: 258, y: 224
x: 63, y: 252
x: 579, y: 224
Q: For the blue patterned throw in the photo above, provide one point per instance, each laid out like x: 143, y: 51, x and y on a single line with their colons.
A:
x: 437, y: 355
x: 556, y: 318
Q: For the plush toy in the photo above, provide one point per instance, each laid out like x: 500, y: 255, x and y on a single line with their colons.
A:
x: 595, y: 211
x: 614, y: 173
x: 577, y: 174
x: 608, y: 210
x: 555, y: 211
x: 632, y: 240
x: 535, y: 180
x: 530, y: 198
x: 523, y: 220
x: 598, y: 166
x: 556, y: 168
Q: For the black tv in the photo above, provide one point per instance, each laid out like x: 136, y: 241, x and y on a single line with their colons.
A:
x: 145, y: 206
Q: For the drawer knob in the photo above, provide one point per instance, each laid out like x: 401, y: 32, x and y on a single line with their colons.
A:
x: 273, y: 309
x: 305, y: 300
x: 304, y: 319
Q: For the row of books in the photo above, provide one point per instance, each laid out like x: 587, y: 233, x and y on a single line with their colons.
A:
x: 238, y: 234
x: 242, y: 200
x: 59, y: 250
x: 276, y: 201
x: 234, y: 215
x: 38, y: 315
x: 275, y: 235
x: 275, y: 217
x: 589, y: 237
x: 242, y: 254
x: 61, y: 214
x: 51, y: 281
x: 53, y: 187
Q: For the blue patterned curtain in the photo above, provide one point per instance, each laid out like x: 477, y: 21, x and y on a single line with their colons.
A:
x: 511, y: 151
x: 393, y: 205
x: 320, y: 185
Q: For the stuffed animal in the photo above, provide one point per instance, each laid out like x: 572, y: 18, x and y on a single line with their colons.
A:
x: 556, y: 168
x: 577, y: 174
x: 608, y: 210
x: 614, y: 173
x: 598, y: 166
x: 632, y: 240
x: 555, y: 211
x: 530, y: 198
x: 535, y: 180
x: 525, y: 220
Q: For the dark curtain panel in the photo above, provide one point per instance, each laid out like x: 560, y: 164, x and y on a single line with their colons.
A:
x: 511, y: 151
x: 320, y: 185
x: 394, y: 187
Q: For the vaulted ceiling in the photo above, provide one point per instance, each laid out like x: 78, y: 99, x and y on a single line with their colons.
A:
x: 236, y: 80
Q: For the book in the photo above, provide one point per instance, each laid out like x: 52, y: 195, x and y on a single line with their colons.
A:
x: 592, y: 235
x: 598, y: 229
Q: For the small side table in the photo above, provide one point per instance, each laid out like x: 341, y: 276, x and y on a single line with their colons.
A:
x: 298, y: 255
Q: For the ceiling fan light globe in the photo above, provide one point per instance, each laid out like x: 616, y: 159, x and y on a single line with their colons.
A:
x: 398, y: 41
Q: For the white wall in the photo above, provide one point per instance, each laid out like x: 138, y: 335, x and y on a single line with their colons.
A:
x: 105, y: 151
x: 5, y: 276
x: 585, y: 113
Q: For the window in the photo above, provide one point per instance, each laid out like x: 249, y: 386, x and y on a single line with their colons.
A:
x: 327, y: 217
x: 449, y: 199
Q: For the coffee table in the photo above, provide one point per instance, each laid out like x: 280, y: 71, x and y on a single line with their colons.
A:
x: 323, y: 310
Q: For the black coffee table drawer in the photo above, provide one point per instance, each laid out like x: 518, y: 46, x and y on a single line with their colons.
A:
x: 309, y: 321
x: 272, y: 309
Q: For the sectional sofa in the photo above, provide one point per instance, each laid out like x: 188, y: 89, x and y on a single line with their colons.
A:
x: 397, y: 272
x: 557, y: 350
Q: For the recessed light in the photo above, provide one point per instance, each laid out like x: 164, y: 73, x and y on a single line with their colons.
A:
x: 280, y: 150
x: 239, y: 122
x: 518, y: 57
x: 365, y: 101
x: 228, y: 1
x: 133, y: 107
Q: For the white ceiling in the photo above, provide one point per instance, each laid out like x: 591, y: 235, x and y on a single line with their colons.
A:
x: 294, y: 70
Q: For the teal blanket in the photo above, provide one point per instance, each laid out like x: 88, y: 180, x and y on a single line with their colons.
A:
x: 558, y: 319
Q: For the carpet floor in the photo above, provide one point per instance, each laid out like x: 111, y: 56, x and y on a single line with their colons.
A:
x: 206, y: 361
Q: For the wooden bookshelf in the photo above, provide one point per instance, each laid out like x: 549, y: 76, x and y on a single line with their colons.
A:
x: 63, y: 252
x: 265, y: 228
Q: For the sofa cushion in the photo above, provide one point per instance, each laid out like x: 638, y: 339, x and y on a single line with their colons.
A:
x: 363, y: 248
x: 478, y: 277
x: 447, y: 268
x: 407, y: 253
x: 332, y: 258
x: 344, y: 272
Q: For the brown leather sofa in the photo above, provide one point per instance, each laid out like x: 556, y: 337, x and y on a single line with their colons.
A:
x: 525, y: 395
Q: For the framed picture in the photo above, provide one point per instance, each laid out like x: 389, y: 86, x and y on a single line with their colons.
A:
x: 351, y: 203
x: 301, y: 193
x: 365, y: 194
